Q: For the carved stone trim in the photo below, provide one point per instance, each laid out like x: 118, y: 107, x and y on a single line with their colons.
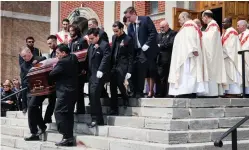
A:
x: 85, y: 12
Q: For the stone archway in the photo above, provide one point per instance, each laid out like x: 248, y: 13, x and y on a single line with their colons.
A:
x: 79, y: 16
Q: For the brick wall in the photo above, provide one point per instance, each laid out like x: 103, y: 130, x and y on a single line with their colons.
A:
x: 66, y: 7
x: 28, y: 7
x: 142, y: 8
x: 161, y: 6
x: 15, y: 31
x: 117, y: 11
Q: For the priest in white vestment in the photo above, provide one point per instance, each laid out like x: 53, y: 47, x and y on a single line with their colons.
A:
x: 244, y: 40
x: 63, y: 37
x: 231, y: 46
x: 187, y: 69
x: 213, y: 55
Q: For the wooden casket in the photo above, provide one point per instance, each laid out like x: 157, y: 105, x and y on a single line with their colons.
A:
x: 38, y: 75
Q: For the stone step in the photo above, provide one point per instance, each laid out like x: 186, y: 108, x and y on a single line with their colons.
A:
x: 178, y: 102
x: 104, y: 143
x: 146, y: 135
x: 147, y: 123
x: 8, y: 148
x: 17, y: 143
x: 174, y: 124
x: 82, y: 118
x: 108, y: 143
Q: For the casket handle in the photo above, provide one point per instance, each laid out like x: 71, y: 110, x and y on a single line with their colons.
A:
x: 38, y: 86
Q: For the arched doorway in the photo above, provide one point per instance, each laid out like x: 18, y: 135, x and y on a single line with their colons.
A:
x: 79, y: 16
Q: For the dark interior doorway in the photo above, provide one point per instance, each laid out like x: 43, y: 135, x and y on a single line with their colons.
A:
x: 217, y: 17
x: 82, y: 23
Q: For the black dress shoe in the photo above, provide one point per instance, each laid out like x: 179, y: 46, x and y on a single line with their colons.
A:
x: 24, y: 110
x: 66, y: 142
x: 139, y: 96
x: 113, y: 113
x: 92, y: 124
x: 33, y: 137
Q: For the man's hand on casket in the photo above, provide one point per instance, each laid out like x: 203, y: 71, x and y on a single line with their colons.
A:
x: 34, y: 62
x: 9, y: 102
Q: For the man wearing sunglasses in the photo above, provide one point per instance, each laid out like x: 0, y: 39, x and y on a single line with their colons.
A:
x: 30, y: 42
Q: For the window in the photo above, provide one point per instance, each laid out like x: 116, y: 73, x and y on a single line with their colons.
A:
x: 153, y: 7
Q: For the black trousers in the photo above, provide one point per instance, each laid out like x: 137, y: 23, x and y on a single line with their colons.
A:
x: 64, y: 114
x: 35, y: 114
x: 95, y: 89
x: 138, y: 77
x: 50, y: 107
x: 117, y: 81
x: 162, y: 85
x: 80, y: 106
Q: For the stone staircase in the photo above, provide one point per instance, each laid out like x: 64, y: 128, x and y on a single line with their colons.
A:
x: 147, y: 124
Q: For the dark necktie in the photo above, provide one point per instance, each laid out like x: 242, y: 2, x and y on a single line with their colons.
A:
x: 135, y: 33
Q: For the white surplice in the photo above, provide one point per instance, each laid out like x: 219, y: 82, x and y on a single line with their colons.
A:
x: 231, y: 46
x: 244, y: 40
x: 186, y: 70
x: 63, y: 36
x: 213, y: 54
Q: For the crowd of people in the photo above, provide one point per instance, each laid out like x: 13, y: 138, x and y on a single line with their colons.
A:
x: 186, y: 64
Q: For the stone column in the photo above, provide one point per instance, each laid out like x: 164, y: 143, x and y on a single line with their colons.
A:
x: 168, y: 11
x: 109, y: 17
x: 123, y: 6
x: 54, y: 18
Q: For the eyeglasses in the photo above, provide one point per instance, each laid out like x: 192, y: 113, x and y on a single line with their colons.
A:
x: 5, y: 87
x: 31, y: 41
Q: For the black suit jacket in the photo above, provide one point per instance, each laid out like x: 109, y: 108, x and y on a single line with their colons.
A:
x: 26, y: 66
x: 98, y: 59
x: 65, y: 74
x: 147, y: 34
x: 103, y: 35
x: 35, y: 52
x: 166, y: 41
x: 124, y: 58
x: 78, y: 44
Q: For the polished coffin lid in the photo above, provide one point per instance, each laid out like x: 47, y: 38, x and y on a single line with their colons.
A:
x: 47, y: 65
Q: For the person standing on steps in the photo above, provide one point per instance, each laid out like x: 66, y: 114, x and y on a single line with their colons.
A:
x: 121, y: 65
x: 34, y: 105
x: 144, y: 35
x: 65, y: 74
x: 97, y: 66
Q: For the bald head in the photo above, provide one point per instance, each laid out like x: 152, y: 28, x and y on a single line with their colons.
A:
x: 183, y: 17
x: 164, y: 26
x: 26, y: 54
x: 198, y: 22
x: 241, y: 25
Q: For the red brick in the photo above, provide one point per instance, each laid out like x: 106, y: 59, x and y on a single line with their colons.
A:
x: 67, y: 7
x: 117, y: 10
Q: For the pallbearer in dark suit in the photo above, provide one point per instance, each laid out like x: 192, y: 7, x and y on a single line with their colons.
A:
x: 78, y: 43
x: 98, y: 65
x: 65, y: 74
x: 121, y: 64
x: 93, y: 23
x: 144, y: 34
x: 34, y: 105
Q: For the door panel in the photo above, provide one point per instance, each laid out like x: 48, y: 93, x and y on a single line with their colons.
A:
x: 176, y: 13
